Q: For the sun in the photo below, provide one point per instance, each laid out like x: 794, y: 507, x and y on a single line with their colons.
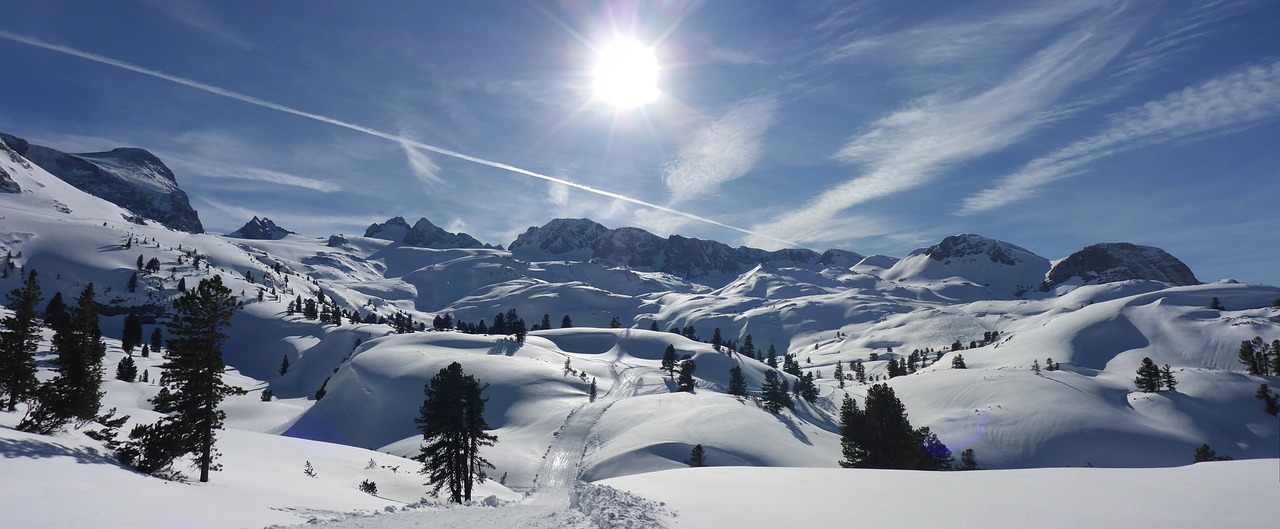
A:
x: 626, y: 74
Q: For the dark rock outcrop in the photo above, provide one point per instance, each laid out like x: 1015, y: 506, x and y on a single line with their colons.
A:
x: 1119, y: 261
x: 261, y: 229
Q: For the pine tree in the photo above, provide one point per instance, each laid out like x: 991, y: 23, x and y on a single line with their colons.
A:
x: 839, y: 374
x: 132, y: 285
x: 284, y: 365
x: 653, y: 326
x: 934, y: 454
x: 566, y: 322
x: 156, y: 338
x: 1166, y: 378
x: 146, y: 351
x: 771, y: 359
x: 132, y: 335
x: 860, y: 371
x: 452, y: 423
x: 1216, y: 304
x: 716, y: 340
x: 957, y: 362
x: 669, y: 360
x: 126, y: 370
x: 74, y: 394
x: 193, y: 378
x: 748, y: 346
x: 684, y: 382
x: 55, y: 313
x: 19, y: 335
x: 1148, y: 379
x: 697, y: 457
x: 884, y: 437
x: 806, y: 388
x: 851, y: 419
x: 774, y: 392
x: 1035, y: 366
x: 737, y: 382
x: 968, y: 461
x: 591, y: 390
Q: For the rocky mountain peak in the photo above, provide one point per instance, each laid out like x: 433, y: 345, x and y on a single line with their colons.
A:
x: 261, y: 229
x: 969, y: 244
x: 131, y: 178
x: 423, y: 233
x: 1119, y: 261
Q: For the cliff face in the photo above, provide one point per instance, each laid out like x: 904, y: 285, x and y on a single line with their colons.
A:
x: 130, y: 178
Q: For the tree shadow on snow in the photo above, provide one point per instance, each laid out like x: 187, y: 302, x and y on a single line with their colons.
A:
x: 39, y: 449
x: 505, y: 348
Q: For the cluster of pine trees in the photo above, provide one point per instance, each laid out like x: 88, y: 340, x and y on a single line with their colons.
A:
x: 1151, y: 379
x: 880, y: 436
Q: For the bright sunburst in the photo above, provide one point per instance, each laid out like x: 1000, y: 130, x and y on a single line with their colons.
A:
x: 626, y: 74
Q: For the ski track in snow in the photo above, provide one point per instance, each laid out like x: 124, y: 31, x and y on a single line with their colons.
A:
x: 558, y: 500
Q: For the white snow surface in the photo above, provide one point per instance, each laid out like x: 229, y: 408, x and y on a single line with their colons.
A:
x: 553, y: 438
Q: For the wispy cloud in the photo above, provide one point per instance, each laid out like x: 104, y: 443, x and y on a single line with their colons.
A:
x: 558, y: 194
x: 423, y: 166
x: 1239, y: 99
x: 913, y: 146
x: 217, y: 169
x: 194, y: 14
x: 721, y: 151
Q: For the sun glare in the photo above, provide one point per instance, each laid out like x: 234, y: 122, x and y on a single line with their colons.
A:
x: 626, y: 74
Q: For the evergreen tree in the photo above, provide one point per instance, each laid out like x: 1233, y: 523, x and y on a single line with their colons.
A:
x: 669, y: 360
x: 1166, y: 378
x: 614, y: 323
x: 19, y: 337
x: 591, y: 390
x: 284, y: 365
x: 774, y: 392
x: 860, y: 371
x: 55, y: 313
x: 957, y: 362
x: 851, y: 418
x: 737, y: 382
x: 182, y: 287
x: 771, y: 359
x: 968, y: 460
x: 748, y: 346
x: 566, y: 322
x: 140, y: 262
x: 452, y: 423
x: 806, y: 388
x: 839, y: 374
x: 132, y: 285
x: 697, y: 457
x: 193, y: 378
x: 156, y: 338
x: 653, y: 326
x: 690, y: 333
x: 546, y: 322
x: 146, y: 351
x: 684, y: 382
x: 1035, y: 366
x: 127, y: 370
x: 132, y: 335
x: 1216, y: 304
x: 1268, y: 399
x: 74, y: 394
x: 716, y: 340
x: 1257, y: 356
x: 1204, y: 453
x: 934, y: 455
x: 1148, y: 379
x: 884, y: 438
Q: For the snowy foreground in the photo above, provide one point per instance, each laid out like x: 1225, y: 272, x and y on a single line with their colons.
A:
x: 65, y: 482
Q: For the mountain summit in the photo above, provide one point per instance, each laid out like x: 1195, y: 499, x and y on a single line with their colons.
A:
x: 1119, y: 261
x: 130, y: 178
x: 262, y: 229
x: 423, y: 233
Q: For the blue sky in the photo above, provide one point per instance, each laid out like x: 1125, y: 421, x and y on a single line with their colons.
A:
x: 877, y: 127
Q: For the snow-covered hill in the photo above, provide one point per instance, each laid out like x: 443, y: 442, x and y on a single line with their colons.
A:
x: 1098, y: 323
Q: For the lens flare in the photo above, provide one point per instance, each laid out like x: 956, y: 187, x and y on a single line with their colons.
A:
x: 626, y: 74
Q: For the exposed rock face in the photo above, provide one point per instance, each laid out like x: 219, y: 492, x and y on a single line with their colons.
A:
x: 262, y: 229
x: 423, y: 233
x: 1119, y: 261
x: 581, y: 239
x: 840, y: 259
x: 968, y: 244
x: 130, y: 178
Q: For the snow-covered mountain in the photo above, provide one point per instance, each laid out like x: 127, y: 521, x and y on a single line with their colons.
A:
x: 637, y: 249
x: 423, y: 233
x: 972, y: 267
x: 829, y: 309
x: 1119, y: 261
x: 260, y: 228
x: 131, y: 178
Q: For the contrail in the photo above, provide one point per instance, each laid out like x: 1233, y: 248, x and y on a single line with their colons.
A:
x: 32, y: 41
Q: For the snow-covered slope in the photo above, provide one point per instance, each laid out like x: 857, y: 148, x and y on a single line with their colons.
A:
x: 972, y: 267
x: 132, y: 178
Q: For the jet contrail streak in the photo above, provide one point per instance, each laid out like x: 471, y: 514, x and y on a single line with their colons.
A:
x: 32, y: 41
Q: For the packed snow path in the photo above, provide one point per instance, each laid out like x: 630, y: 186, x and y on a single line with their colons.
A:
x: 562, y: 464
